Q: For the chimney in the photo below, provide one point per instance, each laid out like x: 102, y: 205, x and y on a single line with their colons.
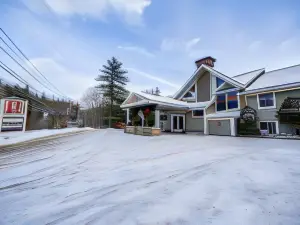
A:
x: 209, y: 61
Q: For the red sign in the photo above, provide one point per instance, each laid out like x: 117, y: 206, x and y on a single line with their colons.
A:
x: 13, y: 107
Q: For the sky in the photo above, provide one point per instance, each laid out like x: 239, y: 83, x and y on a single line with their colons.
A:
x: 157, y: 41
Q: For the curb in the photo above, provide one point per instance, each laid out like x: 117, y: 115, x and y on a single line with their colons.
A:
x: 47, y: 138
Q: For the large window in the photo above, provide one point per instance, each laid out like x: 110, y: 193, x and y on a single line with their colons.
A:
x: 232, y: 101
x: 198, y: 113
x: 227, y: 101
x: 266, y: 100
x: 221, y: 102
x: 269, y: 126
x: 219, y: 82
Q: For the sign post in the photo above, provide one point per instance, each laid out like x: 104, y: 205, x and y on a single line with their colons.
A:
x: 13, y: 114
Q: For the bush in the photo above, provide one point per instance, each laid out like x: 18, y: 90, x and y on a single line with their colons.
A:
x: 247, y: 128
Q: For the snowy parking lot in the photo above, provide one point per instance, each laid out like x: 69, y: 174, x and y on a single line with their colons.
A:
x: 108, y: 177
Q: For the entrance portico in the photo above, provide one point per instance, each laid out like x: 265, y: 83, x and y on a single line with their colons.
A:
x: 168, y: 113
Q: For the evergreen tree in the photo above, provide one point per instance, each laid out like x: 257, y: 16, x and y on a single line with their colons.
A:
x: 114, y: 80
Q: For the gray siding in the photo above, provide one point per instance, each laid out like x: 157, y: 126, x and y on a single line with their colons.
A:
x: 270, y: 114
x: 168, y: 122
x: 263, y: 114
x: 193, y: 124
x: 280, y: 96
x: 203, y: 88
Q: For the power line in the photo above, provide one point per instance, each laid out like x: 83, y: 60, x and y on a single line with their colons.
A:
x: 33, y: 100
x: 18, y: 77
x: 61, y: 94
x: 27, y: 71
x: 12, y: 73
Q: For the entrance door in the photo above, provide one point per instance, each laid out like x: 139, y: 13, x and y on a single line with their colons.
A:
x: 178, y: 123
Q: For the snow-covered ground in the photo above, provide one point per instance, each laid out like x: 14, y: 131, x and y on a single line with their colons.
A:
x: 107, y: 177
x: 7, y: 138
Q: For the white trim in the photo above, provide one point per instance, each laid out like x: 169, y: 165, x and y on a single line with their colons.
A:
x: 219, y: 118
x: 217, y: 89
x: 183, y: 128
x: 205, y: 123
x: 226, y: 103
x: 268, y: 107
x: 231, y: 123
x: 246, y: 100
x: 195, y: 117
x: 232, y: 127
x: 270, y: 121
x: 157, y: 118
x: 215, y: 73
x: 25, y: 115
x: 127, y: 116
x: 196, y: 90
x: 187, y: 90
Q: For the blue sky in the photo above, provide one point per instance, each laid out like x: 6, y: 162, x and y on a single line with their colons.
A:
x: 157, y: 40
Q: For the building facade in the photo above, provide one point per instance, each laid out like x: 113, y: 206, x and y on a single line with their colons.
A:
x: 211, y: 102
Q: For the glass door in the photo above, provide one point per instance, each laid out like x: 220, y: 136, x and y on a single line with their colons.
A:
x: 178, y: 123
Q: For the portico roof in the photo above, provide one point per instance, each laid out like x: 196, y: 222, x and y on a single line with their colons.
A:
x: 142, y: 99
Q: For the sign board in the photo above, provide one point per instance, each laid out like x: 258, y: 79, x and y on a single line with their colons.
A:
x: 12, y: 124
x: 13, y: 106
x: 13, y: 114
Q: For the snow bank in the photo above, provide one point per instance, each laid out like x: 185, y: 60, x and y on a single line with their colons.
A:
x: 111, y: 178
x: 7, y: 138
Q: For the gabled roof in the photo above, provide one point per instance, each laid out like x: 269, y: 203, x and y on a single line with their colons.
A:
x: 146, y: 99
x: 276, y: 79
x: 246, y: 78
x: 194, y: 77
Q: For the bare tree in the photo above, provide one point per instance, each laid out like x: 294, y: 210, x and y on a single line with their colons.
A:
x: 92, y: 101
x: 152, y: 91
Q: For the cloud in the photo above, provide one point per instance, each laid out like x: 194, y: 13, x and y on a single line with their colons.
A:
x: 254, y: 46
x: 152, y: 77
x: 192, y: 43
x: 138, y: 50
x: 130, y: 10
x: 69, y: 80
x: 178, y: 44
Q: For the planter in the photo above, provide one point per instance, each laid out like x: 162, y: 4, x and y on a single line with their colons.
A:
x: 130, y: 129
x: 144, y: 131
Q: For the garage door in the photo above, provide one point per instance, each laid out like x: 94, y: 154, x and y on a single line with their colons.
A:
x: 219, y: 127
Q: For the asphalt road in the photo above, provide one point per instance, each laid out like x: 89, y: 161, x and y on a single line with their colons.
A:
x: 107, y: 177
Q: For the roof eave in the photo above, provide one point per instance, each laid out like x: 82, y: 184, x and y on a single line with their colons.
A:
x: 273, y: 88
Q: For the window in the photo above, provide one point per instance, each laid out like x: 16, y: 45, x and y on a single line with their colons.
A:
x: 232, y: 101
x: 198, y: 113
x: 221, y: 102
x: 163, y: 117
x: 219, y: 82
x: 269, y: 126
x: 266, y: 100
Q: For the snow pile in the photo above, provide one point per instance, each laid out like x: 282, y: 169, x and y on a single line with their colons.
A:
x: 7, y: 138
x: 108, y: 177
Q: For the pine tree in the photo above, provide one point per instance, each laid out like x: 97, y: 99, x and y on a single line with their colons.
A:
x: 114, y: 81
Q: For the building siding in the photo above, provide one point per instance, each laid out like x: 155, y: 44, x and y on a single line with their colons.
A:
x: 211, y: 109
x: 193, y: 124
x: 270, y: 114
x: 203, y: 88
x: 263, y: 114
x: 242, y: 101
